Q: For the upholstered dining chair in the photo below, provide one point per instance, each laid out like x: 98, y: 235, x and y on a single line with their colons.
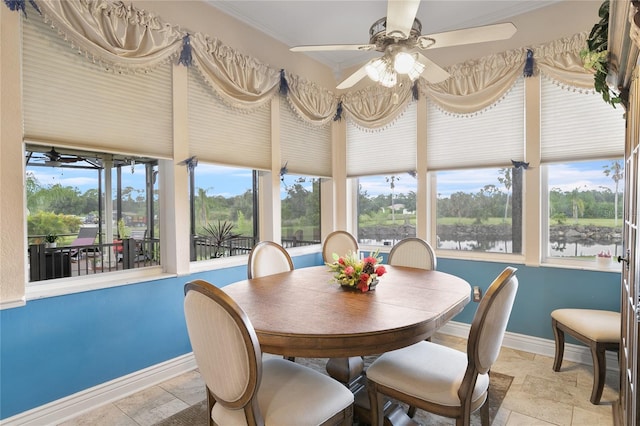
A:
x: 242, y: 389
x: 442, y: 380
x: 599, y: 329
x: 413, y: 252
x: 268, y: 258
x: 340, y: 242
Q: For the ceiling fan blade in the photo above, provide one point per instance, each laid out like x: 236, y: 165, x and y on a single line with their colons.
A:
x: 400, y: 17
x: 354, y: 78
x: 432, y: 72
x: 471, y: 35
x: 325, y: 47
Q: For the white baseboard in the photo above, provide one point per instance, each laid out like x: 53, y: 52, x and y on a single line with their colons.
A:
x: 74, y: 405
x: 536, y: 345
x: 90, y: 399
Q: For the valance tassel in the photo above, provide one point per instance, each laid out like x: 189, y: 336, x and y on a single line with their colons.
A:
x: 519, y: 164
x: 338, y: 115
x: 415, y: 91
x: 284, y: 86
x: 21, y: 5
x: 186, y: 58
x: 190, y: 162
x: 283, y: 171
x: 528, y: 64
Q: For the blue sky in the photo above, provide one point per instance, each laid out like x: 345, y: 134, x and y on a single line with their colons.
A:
x: 228, y: 181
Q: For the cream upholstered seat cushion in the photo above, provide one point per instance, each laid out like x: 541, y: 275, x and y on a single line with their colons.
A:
x: 427, y: 371
x: 291, y: 387
x: 597, y: 325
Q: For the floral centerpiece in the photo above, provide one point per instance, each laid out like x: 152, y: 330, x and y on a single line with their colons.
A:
x: 353, y: 272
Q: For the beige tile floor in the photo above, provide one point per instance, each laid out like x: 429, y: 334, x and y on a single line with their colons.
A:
x: 538, y: 396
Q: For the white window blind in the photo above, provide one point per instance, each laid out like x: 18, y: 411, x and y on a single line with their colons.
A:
x: 390, y: 150
x: 306, y: 149
x: 220, y: 134
x: 491, y: 138
x: 68, y: 100
x: 578, y: 126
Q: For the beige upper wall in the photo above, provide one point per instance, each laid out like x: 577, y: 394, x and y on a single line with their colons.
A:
x: 196, y: 16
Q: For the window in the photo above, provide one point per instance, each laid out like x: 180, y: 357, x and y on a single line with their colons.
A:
x: 300, y: 204
x: 74, y: 227
x: 582, y: 175
x: 223, y: 211
x: 585, y: 208
x: 386, y: 208
x: 475, y: 210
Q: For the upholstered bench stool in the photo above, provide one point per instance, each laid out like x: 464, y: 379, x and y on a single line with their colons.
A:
x: 600, y: 330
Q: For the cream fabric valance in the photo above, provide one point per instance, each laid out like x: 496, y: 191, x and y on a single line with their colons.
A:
x: 478, y: 84
x: 129, y: 39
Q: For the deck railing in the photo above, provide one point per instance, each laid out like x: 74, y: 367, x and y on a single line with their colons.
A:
x: 47, y: 263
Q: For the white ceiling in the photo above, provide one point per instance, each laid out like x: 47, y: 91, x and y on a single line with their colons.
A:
x: 310, y: 22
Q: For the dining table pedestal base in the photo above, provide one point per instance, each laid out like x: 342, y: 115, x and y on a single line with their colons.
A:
x: 350, y: 372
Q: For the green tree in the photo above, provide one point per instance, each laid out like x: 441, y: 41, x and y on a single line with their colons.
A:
x: 616, y: 171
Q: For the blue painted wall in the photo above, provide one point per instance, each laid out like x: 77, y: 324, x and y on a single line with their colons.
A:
x: 54, y: 347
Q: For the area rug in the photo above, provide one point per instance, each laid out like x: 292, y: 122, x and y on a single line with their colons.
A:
x: 197, y: 415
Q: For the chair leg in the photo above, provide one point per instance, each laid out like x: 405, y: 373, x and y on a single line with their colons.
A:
x: 210, y: 403
x: 559, y: 337
x: 411, y: 412
x: 484, y: 412
x: 599, y: 372
x: 376, y: 405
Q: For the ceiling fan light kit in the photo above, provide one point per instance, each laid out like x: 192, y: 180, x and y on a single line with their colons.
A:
x: 398, y: 37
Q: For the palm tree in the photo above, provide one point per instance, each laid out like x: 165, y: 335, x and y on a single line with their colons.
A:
x: 505, y: 179
x: 577, y: 205
x: 392, y: 185
x: 616, y: 171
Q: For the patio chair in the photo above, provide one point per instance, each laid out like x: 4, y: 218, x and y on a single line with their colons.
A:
x: 86, y: 237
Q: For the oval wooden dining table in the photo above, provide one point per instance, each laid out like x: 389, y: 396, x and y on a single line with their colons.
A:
x: 302, y: 313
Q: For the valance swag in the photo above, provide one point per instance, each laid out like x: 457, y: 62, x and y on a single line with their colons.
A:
x: 127, y: 39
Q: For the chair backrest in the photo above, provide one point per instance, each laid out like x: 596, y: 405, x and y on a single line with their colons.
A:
x: 139, y: 234
x: 86, y: 236
x: 413, y: 252
x: 340, y: 242
x: 268, y: 258
x: 490, y: 321
x: 225, y: 347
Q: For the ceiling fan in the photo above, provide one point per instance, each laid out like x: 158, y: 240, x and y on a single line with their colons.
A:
x: 54, y: 159
x: 398, y: 36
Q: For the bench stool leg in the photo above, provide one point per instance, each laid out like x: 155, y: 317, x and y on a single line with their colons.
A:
x: 559, y: 336
x: 599, y: 371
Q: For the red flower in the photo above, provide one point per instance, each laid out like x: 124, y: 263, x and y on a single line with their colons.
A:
x: 364, y: 278
x: 349, y: 270
x: 371, y: 260
x: 380, y: 271
x: 363, y: 286
x: 341, y: 261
